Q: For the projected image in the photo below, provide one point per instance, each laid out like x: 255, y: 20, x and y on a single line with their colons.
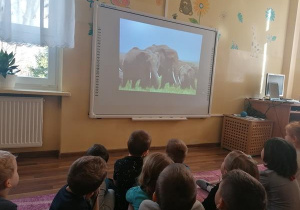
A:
x: 157, y: 59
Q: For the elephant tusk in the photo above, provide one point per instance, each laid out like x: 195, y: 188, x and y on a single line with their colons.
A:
x: 174, y: 78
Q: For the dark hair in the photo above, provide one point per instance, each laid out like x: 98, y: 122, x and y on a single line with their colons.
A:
x: 138, y: 143
x: 176, y: 150
x: 98, y: 150
x: 239, y: 190
x: 86, y: 174
x: 176, y: 188
x: 281, y: 157
x: 152, y: 167
x: 239, y: 160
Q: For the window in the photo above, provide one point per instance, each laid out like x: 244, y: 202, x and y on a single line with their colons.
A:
x: 39, y: 66
x: 36, y: 30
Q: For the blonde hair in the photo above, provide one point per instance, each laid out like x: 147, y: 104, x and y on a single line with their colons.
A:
x: 153, y: 165
x: 239, y: 160
x: 6, y: 167
x: 294, y: 129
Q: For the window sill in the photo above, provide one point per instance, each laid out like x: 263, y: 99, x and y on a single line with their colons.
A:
x: 34, y: 92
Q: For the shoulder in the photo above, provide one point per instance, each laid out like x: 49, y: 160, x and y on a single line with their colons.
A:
x: 149, y: 205
x: 7, y: 205
x: 128, y: 162
x: 132, y: 192
x: 134, y: 189
x: 267, y: 174
x: 67, y: 200
x: 198, y: 206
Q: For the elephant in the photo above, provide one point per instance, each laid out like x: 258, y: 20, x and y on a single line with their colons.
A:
x: 140, y: 65
x: 167, y: 65
x: 187, y: 75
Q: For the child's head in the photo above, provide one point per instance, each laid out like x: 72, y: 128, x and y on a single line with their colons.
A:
x: 9, y: 176
x: 175, y: 188
x: 293, y: 133
x: 152, y: 167
x: 139, y: 143
x: 280, y: 156
x: 98, y: 150
x: 176, y: 150
x: 238, y: 190
x: 86, y: 174
x: 238, y: 160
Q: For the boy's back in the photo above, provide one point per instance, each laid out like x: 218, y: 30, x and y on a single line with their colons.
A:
x: 126, y: 171
x: 85, y: 176
x: 67, y: 200
x: 7, y: 205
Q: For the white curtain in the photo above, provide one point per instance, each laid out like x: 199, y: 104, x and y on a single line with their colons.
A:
x: 38, y: 22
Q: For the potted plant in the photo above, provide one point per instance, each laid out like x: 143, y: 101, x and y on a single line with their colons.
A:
x: 7, y: 69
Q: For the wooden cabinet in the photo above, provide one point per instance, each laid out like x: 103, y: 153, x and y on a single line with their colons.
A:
x: 245, y: 133
x: 281, y: 113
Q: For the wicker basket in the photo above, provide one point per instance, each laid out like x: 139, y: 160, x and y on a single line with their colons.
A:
x: 245, y: 134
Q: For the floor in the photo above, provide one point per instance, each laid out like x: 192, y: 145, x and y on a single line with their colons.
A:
x: 46, y: 175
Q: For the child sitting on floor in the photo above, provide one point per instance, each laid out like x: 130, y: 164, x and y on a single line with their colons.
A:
x: 282, y: 188
x: 293, y: 136
x: 234, y: 160
x: 240, y: 191
x: 106, y: 196
x: 9, y: 178
x: 177, y: 150
x: 175, y: 190
x: 85, y: 176
x: 153, y: 166
x: 127, y: 169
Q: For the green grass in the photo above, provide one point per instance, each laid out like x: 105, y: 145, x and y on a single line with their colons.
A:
x: 167, y: 89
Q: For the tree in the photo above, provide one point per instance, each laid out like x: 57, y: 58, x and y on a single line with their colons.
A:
x: 41, y: 71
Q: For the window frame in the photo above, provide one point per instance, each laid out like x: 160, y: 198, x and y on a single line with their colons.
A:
x: 53, y: 82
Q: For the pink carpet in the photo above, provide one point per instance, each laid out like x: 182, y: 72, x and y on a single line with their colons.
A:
x: 43, y: 202
x: 212, y: 177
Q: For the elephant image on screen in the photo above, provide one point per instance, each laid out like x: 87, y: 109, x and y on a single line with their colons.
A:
x: 158, y: 63
x: 150, y: 67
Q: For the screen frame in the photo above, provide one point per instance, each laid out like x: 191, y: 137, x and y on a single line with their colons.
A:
x: 93, y: 113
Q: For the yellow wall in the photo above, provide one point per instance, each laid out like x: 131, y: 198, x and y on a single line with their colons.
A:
x: 238, y: 74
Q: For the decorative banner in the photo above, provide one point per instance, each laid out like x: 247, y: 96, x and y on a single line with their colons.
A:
x: 201, y: 7
x: 234, y: 46
x: 255, y: 48
x: 159, y: 2
x: 121, y: 3
x: 240, y: 17
x: 185, y: 7
x: 270, y: 14
x: 271, y: 38
x: 91, y: 29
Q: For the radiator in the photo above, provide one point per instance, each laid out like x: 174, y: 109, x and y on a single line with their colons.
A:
x: 21, y: 122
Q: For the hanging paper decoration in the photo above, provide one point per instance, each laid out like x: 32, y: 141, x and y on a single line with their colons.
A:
x: 270, y: 14
x: 240, y: 17
x: 121, y: 3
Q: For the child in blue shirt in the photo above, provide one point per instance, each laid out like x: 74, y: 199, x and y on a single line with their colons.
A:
x: 153, y: 165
